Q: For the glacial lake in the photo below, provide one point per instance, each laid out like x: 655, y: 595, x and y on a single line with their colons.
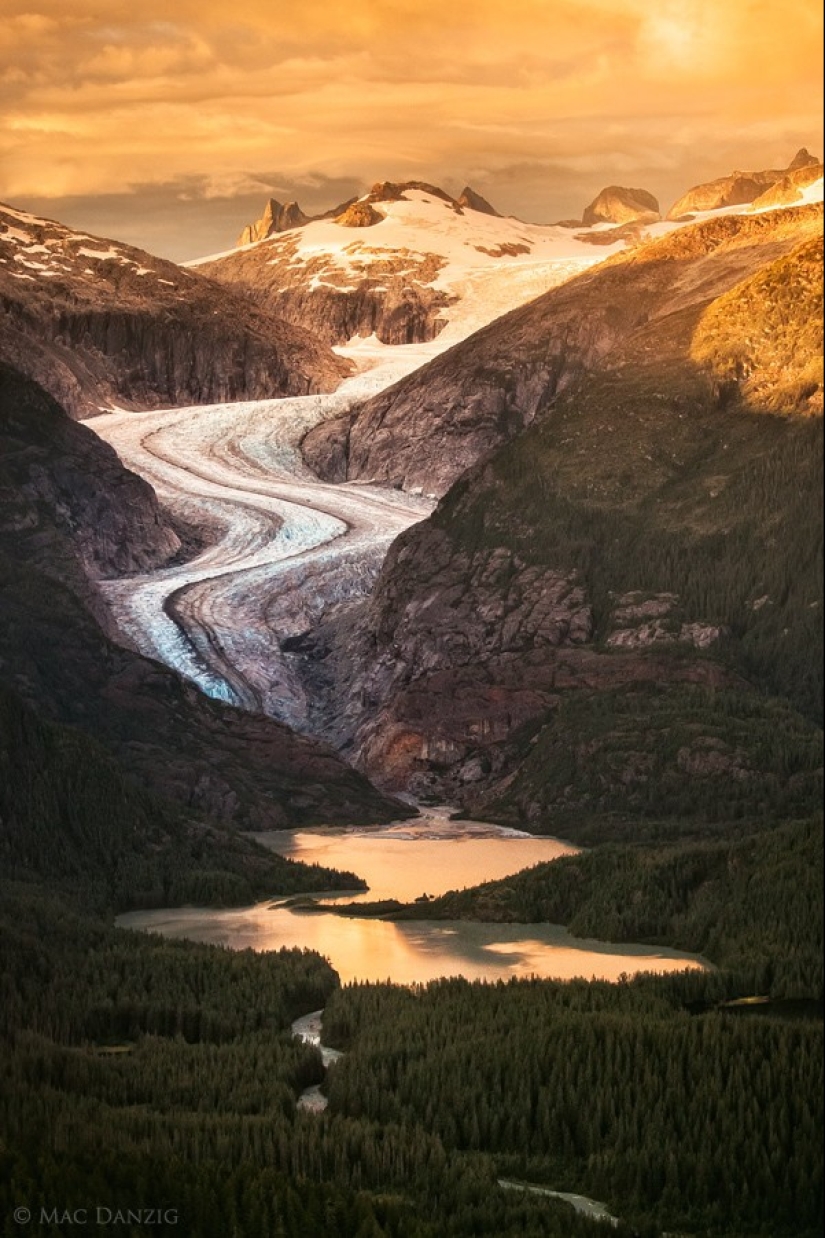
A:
x: 429, y: 855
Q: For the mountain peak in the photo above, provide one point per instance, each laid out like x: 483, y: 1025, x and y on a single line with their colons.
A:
x: 802, y: 159
x: 474, y: 202
x: 619, y: 205
x: 395, y: 191
x: 276, y: 217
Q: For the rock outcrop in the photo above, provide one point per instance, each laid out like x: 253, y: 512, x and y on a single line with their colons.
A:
x: 472, y: 201
x: 619, y: 205
x: 737, y: 189
x: 359, y: 215
x: 789, y: 189
x: 276, y: 217
x: 98, y: 324
x: 803, y: 159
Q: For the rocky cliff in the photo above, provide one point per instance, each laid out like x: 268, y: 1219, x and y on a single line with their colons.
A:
x: 619, y: 205
x: 790, y: 188
x: 736, y: 189
x: 472, y: 201
x: 68, y: 507
x: 425, y: 431
x: 69, y: 512
x: 627, y: 539
x: 276, y: 217
x: 98, y: 323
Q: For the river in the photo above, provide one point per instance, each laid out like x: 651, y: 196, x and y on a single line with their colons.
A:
x: 404, y: 861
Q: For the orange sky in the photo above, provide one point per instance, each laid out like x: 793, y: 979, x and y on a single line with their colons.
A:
x: 171, y: 131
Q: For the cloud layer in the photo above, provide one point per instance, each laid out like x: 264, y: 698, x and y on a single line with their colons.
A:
x: 538, y: 103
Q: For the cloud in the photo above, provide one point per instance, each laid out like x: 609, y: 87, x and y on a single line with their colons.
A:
x: 98, y: 97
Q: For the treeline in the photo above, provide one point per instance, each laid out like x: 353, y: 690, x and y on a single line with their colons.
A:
x: 701, y: 1123
x: 138, y: 1073
x: 69, y: 817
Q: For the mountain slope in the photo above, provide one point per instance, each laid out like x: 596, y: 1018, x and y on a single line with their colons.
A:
x: 648, y: 530
x: 736, y: 189
x: 67, y: 505
x: 71, y: 819
x: 98, y: 323
x: 67, y: 508
x: 425, y: 431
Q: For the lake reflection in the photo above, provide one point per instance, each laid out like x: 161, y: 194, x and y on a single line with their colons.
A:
x: 431, y: 855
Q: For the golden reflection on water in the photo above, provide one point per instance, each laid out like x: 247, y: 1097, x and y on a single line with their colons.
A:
x: 414, y: 858
x: 403, y: 862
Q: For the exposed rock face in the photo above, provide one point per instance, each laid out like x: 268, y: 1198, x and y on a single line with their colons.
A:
x: 425, y: 431
x: 276, y: 217
x: 98, y: 323
x: 396, y: 191
x: 67, y: 508
x: 619, y: 205
x: 458, y: 652
x: 474, y: 202
x: 554, y: 566
x: 359, y: 215
x: 736, y: 189
x: 67, y: 505
x: 789, y: 189
x: 389, y: 295
x: 803, y: 159
x: 63, y: 474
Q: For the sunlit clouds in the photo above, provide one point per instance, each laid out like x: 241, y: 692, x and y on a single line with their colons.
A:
x: 538, y: 103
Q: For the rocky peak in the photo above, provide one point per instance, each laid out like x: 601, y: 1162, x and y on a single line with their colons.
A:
x: 277, y: 217
x: 619, y: 205
x: 359, y: 215
x: 396, y: 191
x: 802, y: 159
x: 789, y: 189
x: 469, y: 199
x: 739, y: 188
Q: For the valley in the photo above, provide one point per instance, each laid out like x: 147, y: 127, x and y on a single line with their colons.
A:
x: 419, y: 629
x: 284, y: 548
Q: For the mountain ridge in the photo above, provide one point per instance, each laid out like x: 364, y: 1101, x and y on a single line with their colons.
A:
x: 403, y: 437
x: 635, y: 452
x: 99, y: 323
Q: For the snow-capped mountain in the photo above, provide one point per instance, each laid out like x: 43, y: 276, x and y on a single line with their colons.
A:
x: 406, y: 263
x: 97, y: 322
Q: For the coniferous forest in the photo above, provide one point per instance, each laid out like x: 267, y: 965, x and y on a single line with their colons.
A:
x: 164, y: 1073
